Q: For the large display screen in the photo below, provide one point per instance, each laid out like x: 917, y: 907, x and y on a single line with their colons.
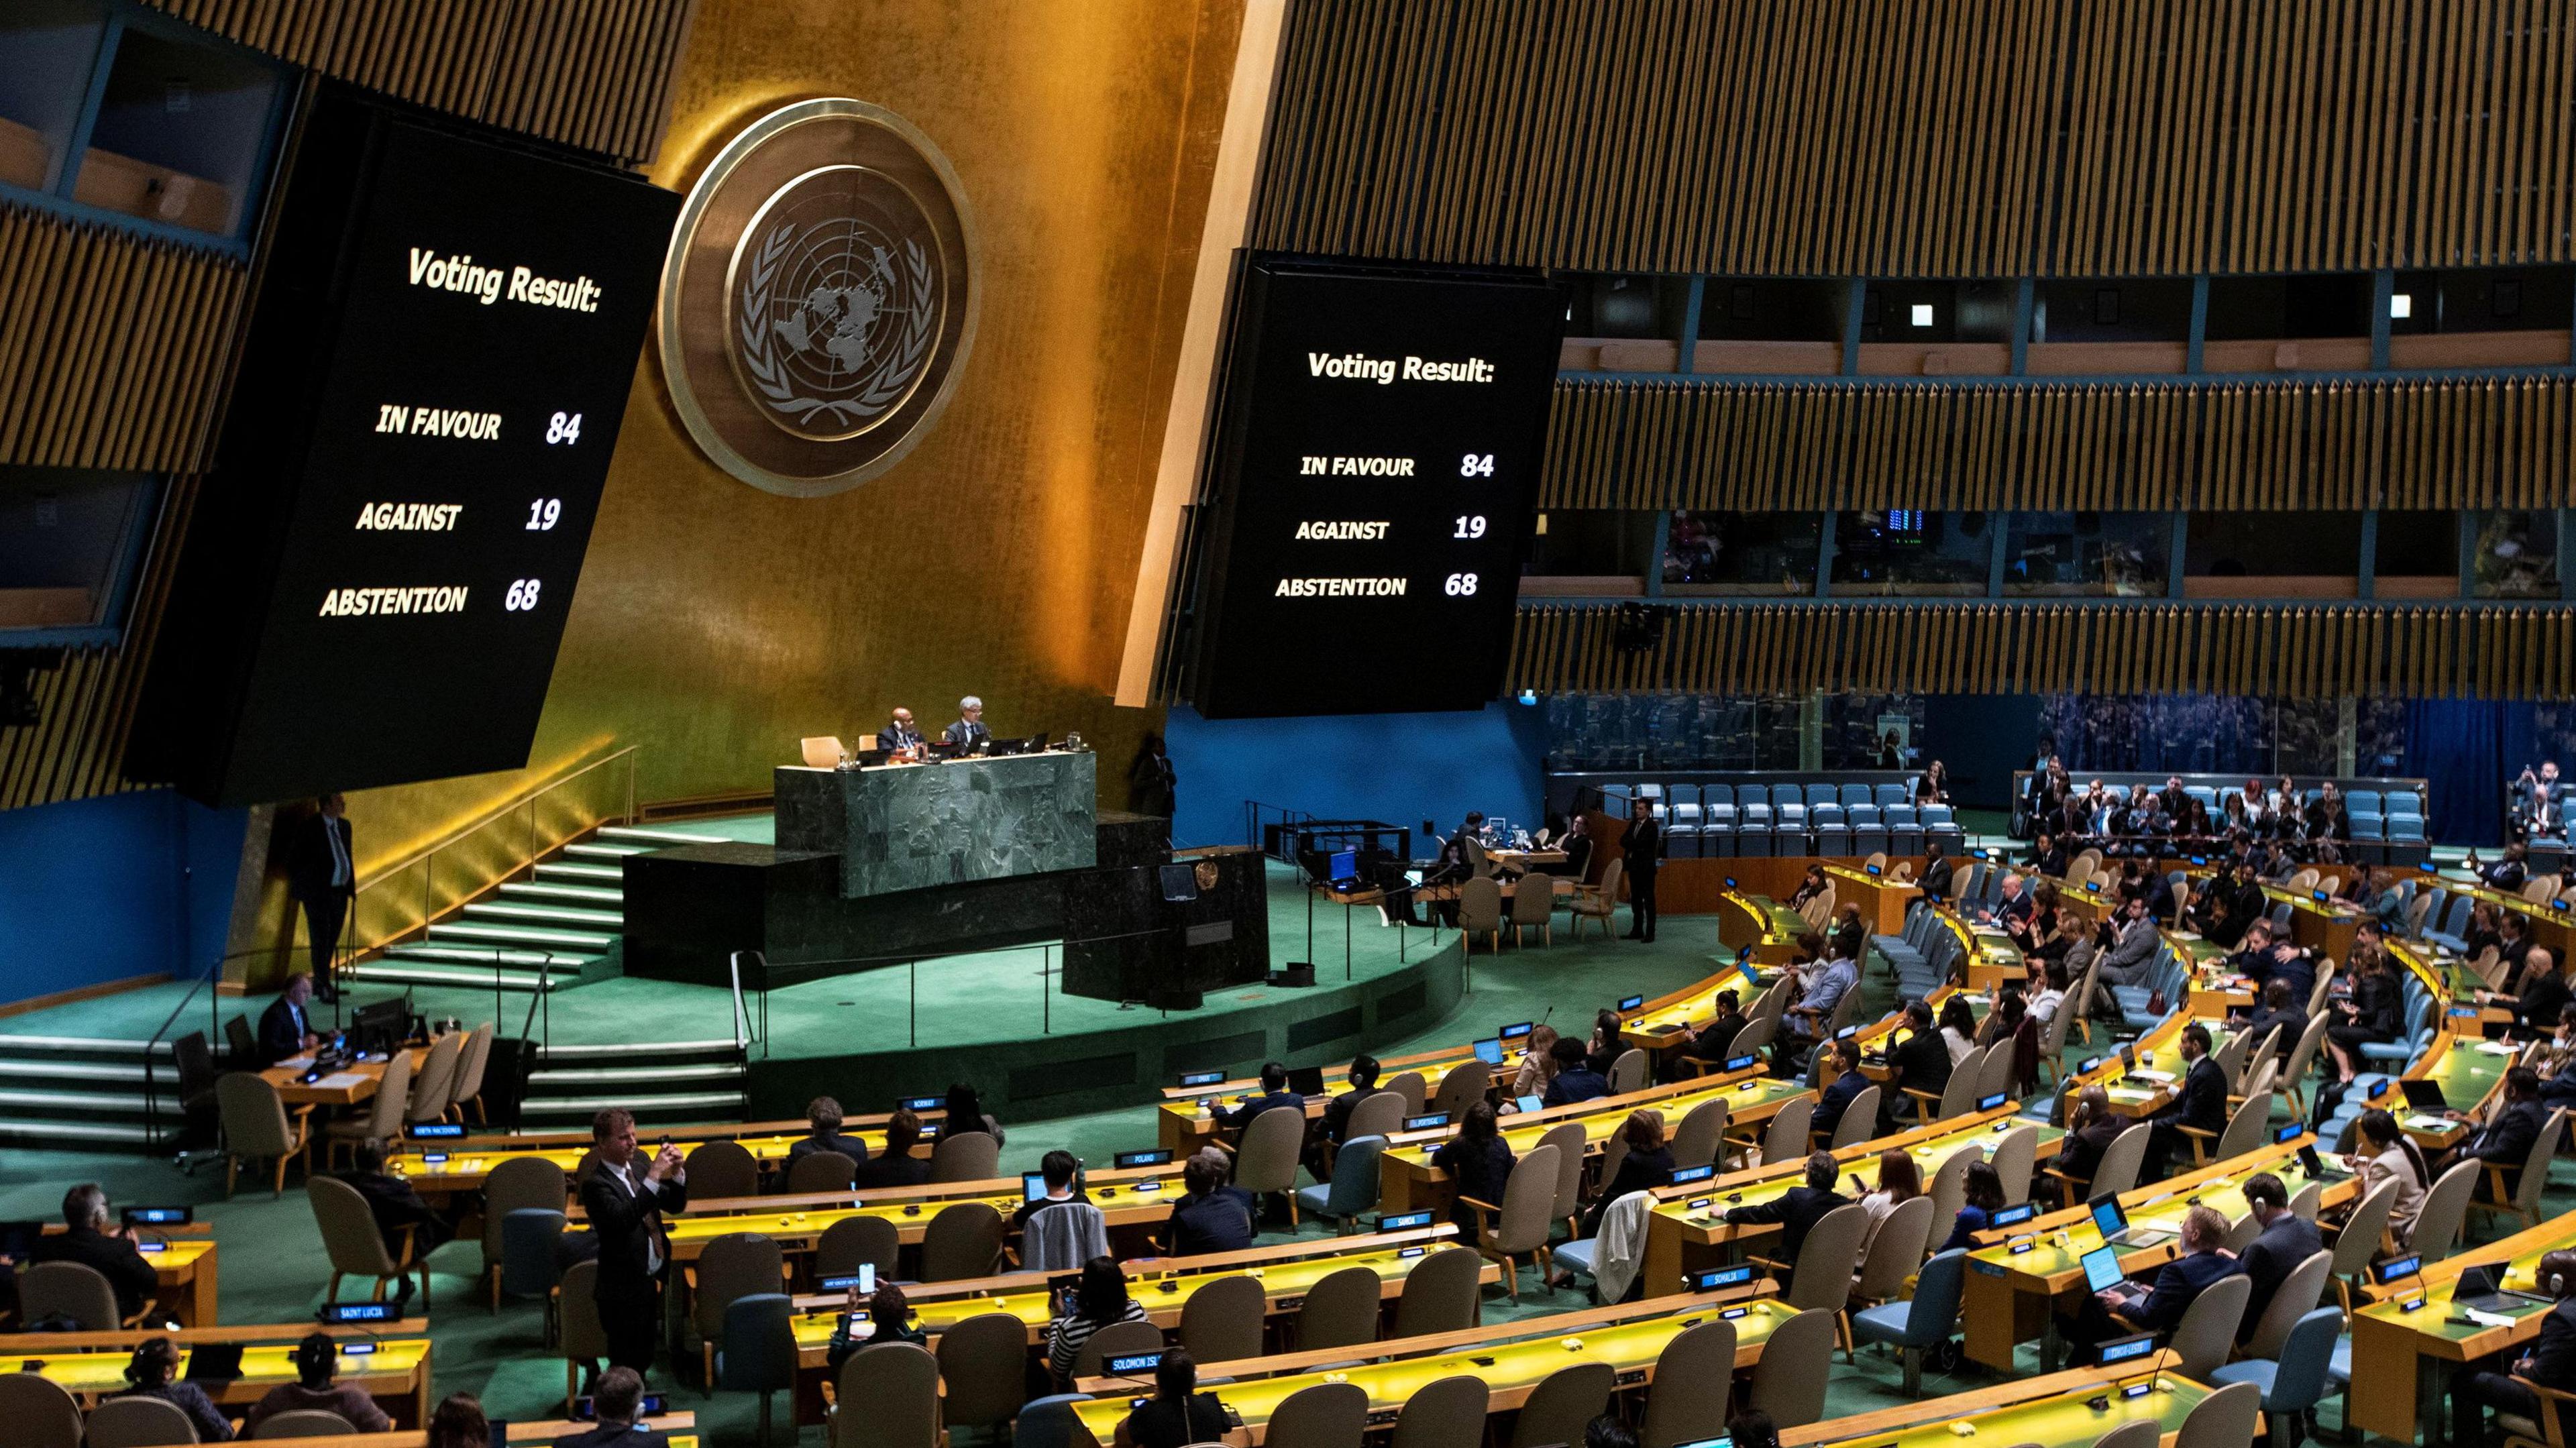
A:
x: 379, y: 568
x: 1370, y: 495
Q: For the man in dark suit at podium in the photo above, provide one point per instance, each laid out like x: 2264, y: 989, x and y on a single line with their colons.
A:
x: 899, y: 733
x: 323, y: 873
x: 969, y: 729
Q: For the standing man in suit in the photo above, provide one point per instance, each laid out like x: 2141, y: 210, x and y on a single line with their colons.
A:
x: 2200, y: 1102
x: 323, y: 874
x: 899, y: 733
x: 285, y: 1029
x: 625, y: 1199
x: 1643, y: 846
x: 2551, y: 1362
x: 618, y: 1396
x: 969, y: 730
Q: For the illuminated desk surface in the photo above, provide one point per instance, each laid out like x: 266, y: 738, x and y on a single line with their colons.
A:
x: 2469, y: 1071
x: 2160, y: 1067
x: 350, y: 1083
x: 1409, y: 1182
x: 1992, y: 956
x: 393, y: 1368
x: 2053, y: 1410
x: 1134, y: 1195
x: 1517, y: 1357
x: 673, y: 1429
x: 2394, y: 1344
x: 437, y: 1168
x: 2014, y: 1277
x: 1664, y: 1022
x: 1882, y: 901
x: 184, y: 1263
x: 1769, y: 927
x: 1180, y: 1124
x: 1688, y: 1231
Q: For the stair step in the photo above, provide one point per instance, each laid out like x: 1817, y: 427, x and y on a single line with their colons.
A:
x: 99, y: 1072
x: 100, y: 1103
x: 595, y: 852
x: 651, y: 838
x: 575, y: 870
x: 660, y: 1050
x: 486, y: 957
x: 608, y: 1075
x: 79, y: 1045
x: 544, y: 891
x: 398, y: 972
x: 544, y: 914
x: 76, y: 1133
x: 522, y: 935
x: 663, y: 1101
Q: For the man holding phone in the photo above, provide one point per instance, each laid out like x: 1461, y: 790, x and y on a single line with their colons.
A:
x: 625, y: 1199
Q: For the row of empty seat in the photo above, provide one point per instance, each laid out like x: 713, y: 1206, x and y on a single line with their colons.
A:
x: 1719, y: 821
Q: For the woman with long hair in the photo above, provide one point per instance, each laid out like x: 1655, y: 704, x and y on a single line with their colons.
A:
x: 458, y: 1422
x: 1479, y: 1163
x: 1099, y: 1299
x: 1985, y: 1198
x: 1958, y: 1027
x: 966, y: 1113
x: 1178, y: 1413
x: 1899, y: 1181
x: 1538, y: 1064
x: 1648, y: 1164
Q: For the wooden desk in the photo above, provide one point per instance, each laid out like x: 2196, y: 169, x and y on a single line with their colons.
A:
x: 2158, y: 1051
x: 469, y: 1160
x: 1408, y: 1182
x: 1991, y: 957
x: 1179, y: 1125
x: 1518, y: 1356
x: 1664, y: 1023
x: 674, y: 1429
x: 183, y: 1262
x: 2053, y: 1410
x: 354, y: 1082
x: 2016, y: 1276
x: 1688, y: 1232
x: 1525, y: 860
x: 2402, y: 1357
x: 1882, y: 901
x: 1769, y: 927
x: 91, y: 1365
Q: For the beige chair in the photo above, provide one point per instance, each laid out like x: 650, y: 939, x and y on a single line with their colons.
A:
x: 821, y: 1171
x: 1859, y: 1121
x: 467, y: 1089
x: 1948, y: 1188
x: 1701, y: 1133
x: 2306, y: 1200
x: 969, y: 1156
x: 2208, y: 1327
x: 1380, y: 1113
x: 1519, y: 1224
x: 1994, y: 1071
x: 1893, y: 1255
x: 1464, y: 1086
x: 1568, y: 1139
x: 41, y: 1413
x: 139, y: 1423
x: 1789, y: 1381
x: 1826, y: 1261
x: 1339, y: 1310
x: 2360, y: 1241
x: 305, y: 1423
x: 821, y: 751
x: 74, y: 1291
x: 1596, y: 903
x: 2243, y: 1132
x: 2296, y: 1297
x: 1441, y: 1294
x: 721, y: 1169
x: 964, y: 1240
x: 852, y: 1241
x: 2135, y: 1433
x: 2524, y: 1199
x: 433, y: 1086
x: 2231, y: 1055
x: 257, y: 1128
x: 1410, y: 1088
x: 1628, y: 1072
x: 983, y: 1370
x: 585, y: 1341
x: 1694, y: 1378
x: 735, y: 1265
x: 2118, y: 1170
x: 1480, y: 912
x: 1785, y: 1139
x: 1118, y: 1339
x: 891, y: 1394
x: 381, y: 1120
x: 1221, y: 1323
x: 2444, y: 1211
x: 1562, y: 1403
x: 1267, y: 1159
x: 356, y: 1248
x: 2052, y: 1041
x: 1534, y: 904
x: 1447, y: 1413
x: 2014, y: 1157
x: 2225, y: 1419
x: 520, y: 1181
x: 1327, y: 1415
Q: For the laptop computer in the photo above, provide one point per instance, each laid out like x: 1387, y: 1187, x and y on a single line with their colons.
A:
x: 2113, y: 1223
x: 1306, y: 1080
x: 2424, y: 1095
x: 214, y: 1362
x: 2478, y: 1290
x: 1490, y: 1052
x: 2102, y: 1272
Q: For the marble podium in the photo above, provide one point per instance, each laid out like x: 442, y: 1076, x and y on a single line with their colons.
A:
x: 916, y: 826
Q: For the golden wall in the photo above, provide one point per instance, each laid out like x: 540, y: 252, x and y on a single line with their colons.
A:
x: 716, y: 624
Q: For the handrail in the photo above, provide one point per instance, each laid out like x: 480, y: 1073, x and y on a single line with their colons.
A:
x: 501, y: 812
x: 152, y: 1052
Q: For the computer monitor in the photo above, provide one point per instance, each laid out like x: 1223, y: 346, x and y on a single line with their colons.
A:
x: 1033, y: 1186
x: 1490, y: 1052
x: 1345, y: 865
x: 2102, y: 1269
x: 380, y: 1025
x: 2108, y: 1219
x: 1306, y: 1080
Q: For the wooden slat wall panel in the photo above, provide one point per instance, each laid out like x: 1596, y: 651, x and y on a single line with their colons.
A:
x: 1990, y: 648
x: 112, y: 345
x: 595, y: 74
x: 2489, y: 442
x: 1927, y: 137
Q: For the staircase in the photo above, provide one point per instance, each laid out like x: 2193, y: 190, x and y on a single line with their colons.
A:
x: 548, y: 933
x: 674, y: 1081
x: 84, y: 1092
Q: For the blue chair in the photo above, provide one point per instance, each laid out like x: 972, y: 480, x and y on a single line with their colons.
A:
x: 2400, y: 1053
x: 1717, y: 829
x: 2294, y: 1383
x: 1753, y: 833
x: 1856, y: 795
x: 529, y: 1237
x: 1353, y: 1189
x: 1939, y: 823
x: 1904, y: 829
x: 1888, y: 794
x: 1685, y: 829
x: 759, y: 1350
x: 1924, y: 1321
x: 1832, y: 827
x: 1816, y: 794
x: 1788, y: 794
x: 1868, y: 829
x: 1048, y: 1422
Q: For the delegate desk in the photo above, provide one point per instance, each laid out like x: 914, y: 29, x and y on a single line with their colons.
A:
x: 671, y: 1430
x: 2160, y: 1066
x: 1882, y: 901
x: 1512, y: 1358
x: 2405, y: 1347
x: 2017, y: 1275
x: 1139, y: 1197
x: 2550, y: 925
x: 183, y: 1268
x: 439, y: 1170
x: 1408, y: 1182
x: 1184, y: 1120
x: 1688, y: 1232
x: 2053, y: 1411
x: 1664, y: 1023
x: 390, y: 1360
x: 1769, y: 927
x: 2470, y: 1073
x: 354, y: 1082
x: 1990, y: 957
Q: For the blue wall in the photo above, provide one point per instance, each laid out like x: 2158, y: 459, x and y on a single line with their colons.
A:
x: 100, y: 889
x: 1399, y: 768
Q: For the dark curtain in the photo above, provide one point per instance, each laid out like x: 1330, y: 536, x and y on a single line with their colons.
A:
x: 2466, y: 750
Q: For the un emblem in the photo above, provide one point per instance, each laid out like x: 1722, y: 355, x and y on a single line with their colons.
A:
x: 818, y: 299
